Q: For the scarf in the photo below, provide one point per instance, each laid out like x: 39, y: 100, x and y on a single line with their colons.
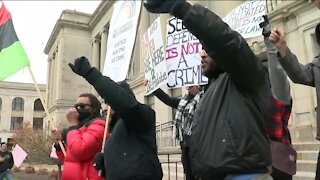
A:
x: 184, y: 116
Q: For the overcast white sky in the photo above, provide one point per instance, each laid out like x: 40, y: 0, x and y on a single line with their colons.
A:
x: 34, y: 22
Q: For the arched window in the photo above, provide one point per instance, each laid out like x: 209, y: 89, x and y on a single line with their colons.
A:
x: 37, y: 123
x: 16, y: 123
x: 38, y: 105
x: 18, y: 104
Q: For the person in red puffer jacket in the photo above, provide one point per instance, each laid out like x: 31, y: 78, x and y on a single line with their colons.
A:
x: 82, y: 140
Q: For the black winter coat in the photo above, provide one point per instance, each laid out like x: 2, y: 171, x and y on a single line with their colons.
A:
x: 228, y: 135
x: 130, y: 152
x: 8, y: 162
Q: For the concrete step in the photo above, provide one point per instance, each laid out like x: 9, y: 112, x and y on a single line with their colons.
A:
x: 173, y: 177
x: 306, y: 165
x: 302, y: 175
x: 309, y: 146
x: 307, y: 155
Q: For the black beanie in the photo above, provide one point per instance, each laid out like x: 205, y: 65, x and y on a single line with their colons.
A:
x: 317, y: 33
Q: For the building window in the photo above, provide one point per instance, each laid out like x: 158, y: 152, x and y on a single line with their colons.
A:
x: 0, y: 103
x: 38, y: 105
x: 136, y: 59
x: 16, y: 123
x: 37, y: 123
x: 315, y: 46
x: 18, y: 104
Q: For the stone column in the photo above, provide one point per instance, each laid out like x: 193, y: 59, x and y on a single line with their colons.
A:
x: 95, y: 59
x: 28, y: 110
x: 269, y: 5
x: 49, y: 83
x: 95, y: 53
x: 103, y: 49
x: 6, y: 113
x: 274, y: 4
x: 279, y: 1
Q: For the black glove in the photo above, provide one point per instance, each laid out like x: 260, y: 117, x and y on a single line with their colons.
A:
x: 161, y: 6
x: 98, y: 162
x: 81, y: 66
x: 266, y: 30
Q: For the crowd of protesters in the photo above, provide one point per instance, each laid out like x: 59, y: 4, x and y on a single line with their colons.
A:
x: 233, y: 128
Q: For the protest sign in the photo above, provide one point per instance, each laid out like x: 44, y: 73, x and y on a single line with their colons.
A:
x: 121, y: 38
x: 182, y: 56
x: 152, y: 52
x: 19, y: 155
x: 246, y: 17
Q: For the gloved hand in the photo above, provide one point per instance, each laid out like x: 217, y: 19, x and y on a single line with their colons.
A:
x: 81, y: 66
x: 266, y: 31
x: 160, y: 6
x: 98, y: 162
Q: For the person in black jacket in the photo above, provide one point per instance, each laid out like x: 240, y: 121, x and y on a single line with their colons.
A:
x: 130, y: 152
x: 6, y: 162
x: 229, y: 139
x: 183, y: 120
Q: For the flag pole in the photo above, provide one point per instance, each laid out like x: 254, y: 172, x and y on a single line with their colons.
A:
x: 105, y: 132
x: 45, y: 108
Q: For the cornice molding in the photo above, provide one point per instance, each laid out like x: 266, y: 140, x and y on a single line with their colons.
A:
x: 63, y: 23
x: 136, y: 82
x: 98, y: 14
x: 287, y: 9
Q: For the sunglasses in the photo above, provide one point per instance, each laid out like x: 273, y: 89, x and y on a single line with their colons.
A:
x: 81, y: 106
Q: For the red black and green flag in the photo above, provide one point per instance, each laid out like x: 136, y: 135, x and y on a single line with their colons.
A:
x: 12, y: 55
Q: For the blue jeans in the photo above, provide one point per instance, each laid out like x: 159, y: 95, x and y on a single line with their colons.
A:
x: 6, y: 174
x: 256, y: 176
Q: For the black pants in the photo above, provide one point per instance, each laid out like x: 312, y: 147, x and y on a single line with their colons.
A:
x: 318, y: 168
x: 278, y: 175
x: 185, y: 158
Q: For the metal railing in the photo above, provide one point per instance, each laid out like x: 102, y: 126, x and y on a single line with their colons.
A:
x: 171, y: 164
x: 169, y: 152
x: 165, y: 135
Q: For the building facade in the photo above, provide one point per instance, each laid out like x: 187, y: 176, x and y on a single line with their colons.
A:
x: 19, y: 104
x: 78, y: 34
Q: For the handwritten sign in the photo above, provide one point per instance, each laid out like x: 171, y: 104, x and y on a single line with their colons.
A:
x: 122, y: 34
x: 182, y: 56
x: 155, y: 66
x: 245, y: 18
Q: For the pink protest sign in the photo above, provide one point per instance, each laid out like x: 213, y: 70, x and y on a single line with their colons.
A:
x: 53, y: 152
x: 19, y: 155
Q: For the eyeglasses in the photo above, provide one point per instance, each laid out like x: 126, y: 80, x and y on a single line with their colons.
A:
x: 81, y: 106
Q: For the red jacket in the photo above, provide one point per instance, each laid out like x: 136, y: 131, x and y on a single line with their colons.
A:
x: 82, y: 145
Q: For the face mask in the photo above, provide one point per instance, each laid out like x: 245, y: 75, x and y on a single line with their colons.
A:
x: 83, y: 113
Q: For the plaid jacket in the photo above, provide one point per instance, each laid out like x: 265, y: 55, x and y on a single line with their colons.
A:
x: 184, y: 115
x: 277, y: 121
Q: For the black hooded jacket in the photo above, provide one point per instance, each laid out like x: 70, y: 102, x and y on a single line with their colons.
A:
x: 130, y: 152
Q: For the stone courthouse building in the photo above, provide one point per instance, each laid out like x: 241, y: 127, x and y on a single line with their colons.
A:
x: 19, y: 103
x: 78, y: 34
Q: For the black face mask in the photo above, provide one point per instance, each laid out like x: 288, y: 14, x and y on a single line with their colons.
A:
x: 83, y: 113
